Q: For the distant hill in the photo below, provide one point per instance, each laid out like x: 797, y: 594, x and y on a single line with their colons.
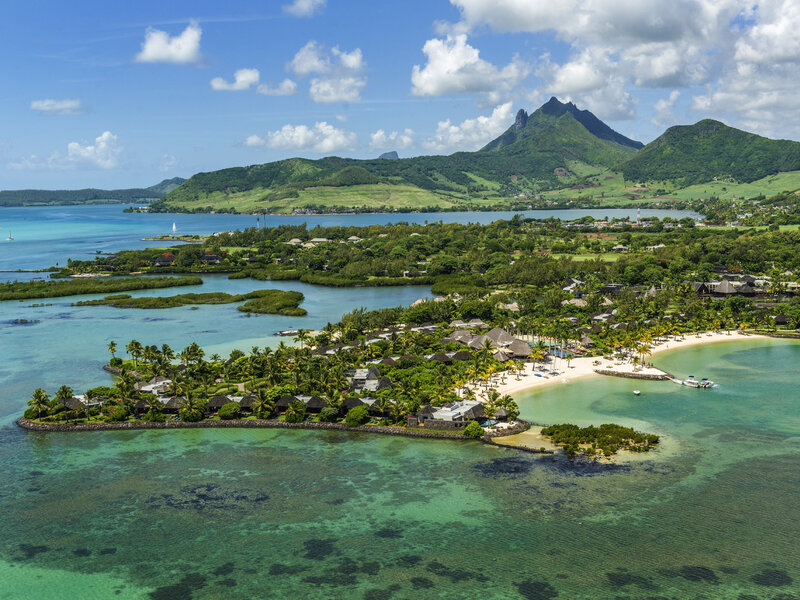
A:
x: 88, y: 195
x: 707, y: 150
x: 389, y: 155
x: 537, y: 152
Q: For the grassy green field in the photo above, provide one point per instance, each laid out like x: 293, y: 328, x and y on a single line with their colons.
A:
x: 611, y: 189
x: 604, y: 256
x: 368, y: 197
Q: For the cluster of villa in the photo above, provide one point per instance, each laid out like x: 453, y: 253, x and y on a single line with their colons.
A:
x: 505, y: 346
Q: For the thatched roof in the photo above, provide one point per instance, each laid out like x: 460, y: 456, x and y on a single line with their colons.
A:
x: 725, y: 287
x: 441, y: 357
x: 73, y: 403
x: 519, y: 349
x: 500, y: 336
x: 462, y: 355
x: 217, y: 402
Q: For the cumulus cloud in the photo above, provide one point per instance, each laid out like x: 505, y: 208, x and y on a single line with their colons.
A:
x: 333, y: 89
x: 663, y: 114
x: 470, y: 134
x: 49, y: 106
x: 322, y: 138
x: 159, y: 46
x: 304, y: 8
x: 453, y: 67
x: 287, y: 87
x: 103, y: 154
x: 311, y: 58
x: 616, y: 46
x: 243, y: 79
x: 759, y: 86
x: 338, y: 73
x: 396, y: 140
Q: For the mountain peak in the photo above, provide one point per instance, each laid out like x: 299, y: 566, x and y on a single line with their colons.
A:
x: 521, y: 120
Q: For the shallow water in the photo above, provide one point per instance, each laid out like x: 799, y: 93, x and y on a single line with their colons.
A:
x: 275, y: 514
x: 205, y: 514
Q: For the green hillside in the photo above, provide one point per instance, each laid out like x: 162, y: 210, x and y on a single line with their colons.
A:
x: 556, y: 144
x: 709, y: 150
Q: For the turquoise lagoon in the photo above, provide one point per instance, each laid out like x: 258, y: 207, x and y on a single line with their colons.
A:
x: 207, y: 514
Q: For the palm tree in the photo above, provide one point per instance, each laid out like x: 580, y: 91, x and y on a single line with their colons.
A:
x: 62, y: 394
x: 262, y: 405
x: 112, y: 348
x: 39, y: 402
x: 134, y: 348
x: 167, y: 352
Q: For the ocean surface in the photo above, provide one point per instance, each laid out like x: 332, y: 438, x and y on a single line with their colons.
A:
x: 242, y: 514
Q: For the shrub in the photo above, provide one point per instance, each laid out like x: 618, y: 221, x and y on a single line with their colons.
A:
x: 296, y: 413
x: 115, y: 362
x: 229, y: 411
x: 30, y: 414
x: 191, y: 416
x: 155, y: 416
x: 118, y: 413
x: 473, y: 430
x: 329, y: 414
x: 357, y: 416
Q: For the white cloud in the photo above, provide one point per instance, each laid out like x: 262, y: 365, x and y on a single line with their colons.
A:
x: 663, y: 114
x: 332, y: 89
x: 339, y: 73
x: 103, y: 154
x: 304, y: 8
x: 49, y: 106
x: 470, y: 134
x: 311, y: 58
x: 158, y: 46
x: 254, y: 141
x: 353, y: 61
x: 243, y: 79
x: 455, y: 67
x: 287, y: 87
x: 758, y: 88
x: 396, y: 140
x: 322, y: 138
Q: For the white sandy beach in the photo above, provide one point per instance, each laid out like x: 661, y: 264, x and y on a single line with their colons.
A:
x: 583, y: 367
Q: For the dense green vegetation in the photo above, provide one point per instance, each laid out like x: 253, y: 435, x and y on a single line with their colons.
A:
x: 87, y: 196
x: 710, y: 150
x: 259, y: 301
x: 606, y: 439
x: 24, y: 290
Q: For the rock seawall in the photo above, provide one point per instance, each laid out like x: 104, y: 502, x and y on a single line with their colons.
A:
x: 255, y: 424
x: 629, y: 375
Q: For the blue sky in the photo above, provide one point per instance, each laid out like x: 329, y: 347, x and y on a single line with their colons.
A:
x: 109, y: 94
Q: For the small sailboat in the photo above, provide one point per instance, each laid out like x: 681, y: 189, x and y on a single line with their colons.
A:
x: 9, y: 238
x: 174, y: 228
x: 636, y: 392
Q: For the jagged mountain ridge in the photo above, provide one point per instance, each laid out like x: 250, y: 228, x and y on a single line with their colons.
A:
x: 547, y: 116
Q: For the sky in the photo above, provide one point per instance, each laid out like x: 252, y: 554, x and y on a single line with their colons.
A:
x: 115, y: 95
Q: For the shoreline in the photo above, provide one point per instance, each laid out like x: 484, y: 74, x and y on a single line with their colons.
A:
x: 584, y: 367
x: 29, y: 425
